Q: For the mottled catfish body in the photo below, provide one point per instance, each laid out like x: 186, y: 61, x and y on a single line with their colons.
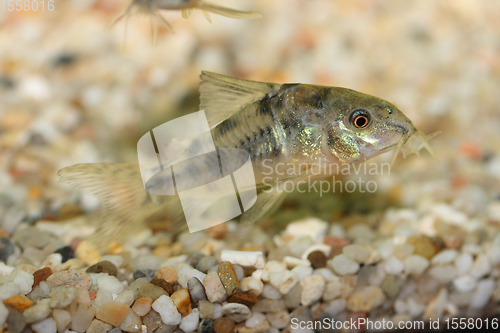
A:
x: 285, y: 129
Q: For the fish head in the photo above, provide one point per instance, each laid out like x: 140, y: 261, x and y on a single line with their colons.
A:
x: 367, y: 126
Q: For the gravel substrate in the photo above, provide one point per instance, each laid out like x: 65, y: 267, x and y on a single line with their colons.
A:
x: 425, y: 245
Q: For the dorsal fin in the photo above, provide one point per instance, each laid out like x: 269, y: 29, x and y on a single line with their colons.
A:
x: 221, y: 96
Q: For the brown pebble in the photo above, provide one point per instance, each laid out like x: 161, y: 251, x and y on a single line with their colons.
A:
x: 247, y: 299
x: 150, y: 290
x: 168, y: 274
x: 113, y: 313
x: 41, y: 275
x: 317, y: 259
x: 228, y: 277
x: 20, y: 302
x: 168, y: 287
x: 182, y: 301
x: 223, y: 325
x: 336, y: 244
x: 103, y: 267
x: 424, y: 246
x: 217, y: 231
x: 92, y: 294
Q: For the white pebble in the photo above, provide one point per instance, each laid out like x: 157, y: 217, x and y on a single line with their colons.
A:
x: 284, y: 280
x: 292, y: 262
x: 214, y: 288
x: 393, y: 266
x: 463, y: 263
x: 313, y: 227
x: 271, y: 292
x: 444, y: 257
x: 185, y: 272
x: 23, y: 280
x: 342, y: 265
x: 255, y: 320
x: 326, y: 273
x: 6, y: 270
x: 415, y: 264
x: 167, y: 310
x: 62, y: 319
x: 333, y: 290
x: 252, y: 285
x: 3, y: 313
x: 45, y: 326
x: 244, y: 258
x: 279, y: 319
x: 357, y: 252
x: 131, y: 323
x: 313, y: 287
x: 190, y: 322
x: 8, y: 289
x: 217, y: 311
x: 125, y: 297
x: 237, y: 312
x: 385, y: 248
x: 465, y: 283
x: 110, y: 283
x: 272, y: 266
x: 302, y: 271
x: 483, y: 293
x: 335, y: 307
x: 443, y: 273
x: 481, y: 266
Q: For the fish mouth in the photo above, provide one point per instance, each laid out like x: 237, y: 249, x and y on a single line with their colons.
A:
x: 412, y: 143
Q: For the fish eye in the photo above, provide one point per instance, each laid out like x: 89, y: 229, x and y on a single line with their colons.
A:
x: 360, y: 118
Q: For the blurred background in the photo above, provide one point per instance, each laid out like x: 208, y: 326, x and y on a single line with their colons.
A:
x: 73, y: 91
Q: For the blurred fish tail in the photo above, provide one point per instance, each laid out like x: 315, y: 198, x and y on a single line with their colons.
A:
x: 227, y: 12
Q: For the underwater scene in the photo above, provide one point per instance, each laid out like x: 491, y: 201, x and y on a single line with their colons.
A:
x: 249, y: 166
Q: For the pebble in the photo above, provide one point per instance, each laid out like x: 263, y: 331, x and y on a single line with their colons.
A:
x: 97, y: 326
x: 8, y: 289
x: 343, y: 265
x: 423, y: 246
x: 463, y: 263
x: 142, y: 306
x: 279, y: 319
x: 415, y: 264
x: 313, y: 287
x: 390, y: 286
x: 292, y: 299
x: 393, y: 266
x: 480, y: 268
x: 365, y: 299
x: 206, y: 263
x: 115, y: 259
x: 483, y: 293
x: 317, y: 259
x: 302, y: 271
x: 443, y: 273
x: 256, y: 319
x: 110, y: 283
x: 252, y: 285
x: 312, y: 227
x: 332, y: 290
x: 151, y: 291
x: 270, y: 292
x: 102, y: 297
x: 82, y: 317
x: 168, y: 274
x: 125, y: 297
x: 190, y: 322
x: 357, y: 252
x: 140, y: 273
x: 45, y: 326
x: 247, y: 299
x: 217, y: 311
x: 168, y: 287
x: 349, y: 283
x: 206, y: 309
x: 241, y: 328
x: 41, y: 275
x: 131, y: 323
x: 271, y: 267
x: 268, y: 305
x: 152, y: 320
x: 444, y: 257
x: 66, y: 253
x: 113, y: 313
x: 244, y: 258
x: 228, y: 277
x: 223, y: 325
x: 23, y: 280
x: 214, y: 288
x: 465, y: 283
x: 136, y: 285
x: 70, y: 279
x: 15, y: 319
x: 62, y: 297
x: 206, y: 326
x: 167, y: 310
x: 196, y: 290
x: 292, y: 262
x: 182, y: 301
x: 37, y: 312
x: 335, y: 307
x: 103, y: 267
x: 186, y: 272
x: 62, y: 319
x: 19, y: 302
x: 6, y: 249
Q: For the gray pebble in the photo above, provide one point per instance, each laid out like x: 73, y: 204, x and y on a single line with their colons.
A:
x: 115, y: 330
x: 37, y: 312
x: 206, y: 263
x: 15, y: 321
x: 206, y: 326
x: 6, y: 248
x: 140, y: 273
x: 194, y: 258
x: 196, y: 290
